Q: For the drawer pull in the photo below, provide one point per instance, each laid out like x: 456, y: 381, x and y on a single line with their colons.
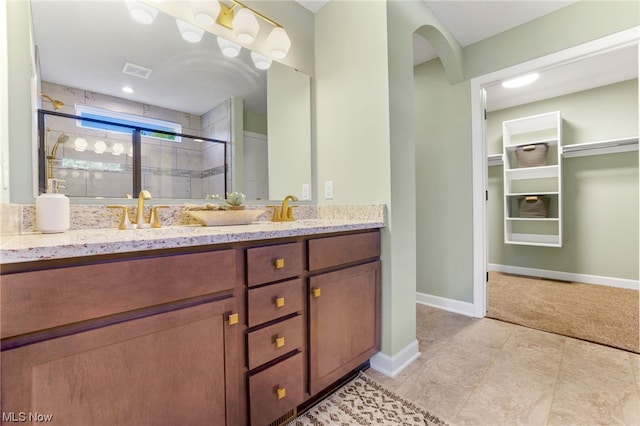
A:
x: 531, y: 198
x: 279, y: 302
x: 529, y: 148
x: 316, y: 292
x: 233, y: 319
x: 281, y: 392
x: 279, y: 263
x: 279, y: 342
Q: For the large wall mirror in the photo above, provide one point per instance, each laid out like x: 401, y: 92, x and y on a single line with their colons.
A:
x: 89, y: 51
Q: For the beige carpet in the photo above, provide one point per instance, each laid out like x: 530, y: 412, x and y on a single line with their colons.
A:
x: 363, y: 401
x: 596, y: 313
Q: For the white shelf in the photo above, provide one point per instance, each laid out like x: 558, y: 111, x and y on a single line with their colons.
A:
x: 524, y: 194
x: 550, y: 142
x: 534, y: 219
x: 540, y: 172
x: 540, y: 180
x: 541, y: 240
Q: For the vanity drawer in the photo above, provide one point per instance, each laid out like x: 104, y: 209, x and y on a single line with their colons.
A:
x: 273, y: 341
x: 275, y: 391
x: 334, y: 251
x: 36, y: 300
x: 273, y: 263
x: 274, y: 301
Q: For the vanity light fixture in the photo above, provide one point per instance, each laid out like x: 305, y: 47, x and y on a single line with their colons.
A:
x: 278, y: 41
x: 260, y: 61
x: 228, y: 48
x: 189, y: 32
x: 127, y: 89
x: 521, y: 81
x: 141, y: 12
x: 100, y: 147
x: 80, y: 144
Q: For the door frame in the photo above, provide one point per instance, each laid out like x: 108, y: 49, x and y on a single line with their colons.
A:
x: 479, y: 145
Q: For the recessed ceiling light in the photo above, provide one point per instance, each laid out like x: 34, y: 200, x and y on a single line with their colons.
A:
x: 521, y: 81
x: 127, y: 89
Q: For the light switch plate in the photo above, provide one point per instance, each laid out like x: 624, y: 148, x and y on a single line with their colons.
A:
x: 306, y: 191
x: 328, y: 190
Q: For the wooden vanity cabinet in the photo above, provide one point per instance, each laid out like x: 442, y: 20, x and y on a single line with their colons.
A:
x: 92, y: 345
x: 344, y: 305
x: 275, y: 332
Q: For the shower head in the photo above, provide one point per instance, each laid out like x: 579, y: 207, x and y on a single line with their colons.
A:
x: 56, y: 103
x: 63, y: 138
x: 50, y: 158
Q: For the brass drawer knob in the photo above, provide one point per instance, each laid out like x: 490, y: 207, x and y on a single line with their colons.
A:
x: 279, y: 263
x: 233, y: 319
x: 279, y: 302
x: 281, y: 392
x: 279, y: 341
x: 316, y: 292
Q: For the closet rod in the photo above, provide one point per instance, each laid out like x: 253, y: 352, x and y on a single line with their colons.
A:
x: 600, y: 147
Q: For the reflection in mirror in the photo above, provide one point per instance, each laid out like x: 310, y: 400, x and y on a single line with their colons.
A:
x: 110, y: 156
x: 88, y: 51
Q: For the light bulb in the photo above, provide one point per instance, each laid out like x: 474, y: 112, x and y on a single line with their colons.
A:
x: 228, y: 48
x: 117, y: 149
x: 521, y: 81
x: 100, y: 147
x: 245, y: 25
x: 278, y: 43
x: 141, y: 13
x: 189, y: 32
x: 260, y: 61
x: 80, y: 144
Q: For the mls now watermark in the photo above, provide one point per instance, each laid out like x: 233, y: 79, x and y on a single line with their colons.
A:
x: 22, y: 416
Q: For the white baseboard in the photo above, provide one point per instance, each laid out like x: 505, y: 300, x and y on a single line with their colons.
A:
x: 451, y: 305
x: 391, y: 366
x: 566, y: 276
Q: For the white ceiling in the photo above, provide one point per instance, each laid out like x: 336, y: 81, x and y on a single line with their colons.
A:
x: 74, y: 51
x: 470, y: 21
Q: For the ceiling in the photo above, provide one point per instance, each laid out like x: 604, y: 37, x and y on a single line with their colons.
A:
x: 473, y: 20
x: 183, y: 76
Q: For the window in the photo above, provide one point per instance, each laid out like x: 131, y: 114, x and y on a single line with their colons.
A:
x: 114, y: 118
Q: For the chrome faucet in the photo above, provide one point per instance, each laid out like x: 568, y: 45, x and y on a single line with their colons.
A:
x: 284, y: 213
x: 140, y: 222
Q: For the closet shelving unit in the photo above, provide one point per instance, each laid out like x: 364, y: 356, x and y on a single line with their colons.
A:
x: 543, y: 180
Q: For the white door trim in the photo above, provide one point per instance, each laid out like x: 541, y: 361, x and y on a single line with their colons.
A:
x: 479, y: 146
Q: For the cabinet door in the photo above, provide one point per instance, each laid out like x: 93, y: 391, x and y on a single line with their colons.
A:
x: 178, y: 367
x: 344, y: 322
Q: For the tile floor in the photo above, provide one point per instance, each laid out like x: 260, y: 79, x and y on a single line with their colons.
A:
x: 486, y: 372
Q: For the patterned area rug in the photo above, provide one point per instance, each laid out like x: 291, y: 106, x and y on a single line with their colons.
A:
x: 363, y: 401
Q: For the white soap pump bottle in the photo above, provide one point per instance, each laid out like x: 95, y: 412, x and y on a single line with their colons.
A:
x: 52, y: 210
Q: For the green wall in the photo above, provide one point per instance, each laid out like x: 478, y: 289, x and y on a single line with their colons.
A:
x: 600, y: 208
x: 443, y: 183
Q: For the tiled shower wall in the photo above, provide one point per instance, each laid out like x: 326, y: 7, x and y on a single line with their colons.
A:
x: 187, y: 169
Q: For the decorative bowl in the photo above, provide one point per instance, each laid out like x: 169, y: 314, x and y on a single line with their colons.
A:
x: 225, y: 217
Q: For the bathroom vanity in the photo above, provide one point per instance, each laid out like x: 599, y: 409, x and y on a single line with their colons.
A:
x: 235, y: 328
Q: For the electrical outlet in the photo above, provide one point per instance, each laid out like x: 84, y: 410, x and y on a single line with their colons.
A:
x: 328, y: 190
x: 306, y: 191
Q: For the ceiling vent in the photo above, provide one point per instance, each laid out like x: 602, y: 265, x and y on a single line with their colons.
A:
x: 136, y: 70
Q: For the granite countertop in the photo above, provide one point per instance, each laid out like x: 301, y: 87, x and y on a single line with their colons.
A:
x: 37, y: 246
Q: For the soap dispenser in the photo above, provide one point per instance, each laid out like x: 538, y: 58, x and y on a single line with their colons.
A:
x: 52, y: 210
